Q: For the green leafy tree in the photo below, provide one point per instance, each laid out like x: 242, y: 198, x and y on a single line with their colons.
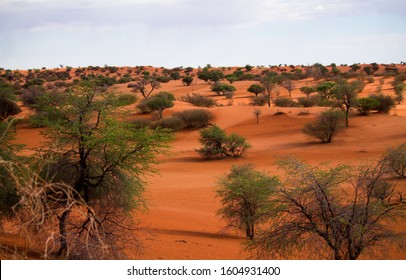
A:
x: 102, y: 159
x: 345, y: 95
x: 318, y: 218
x: 256, y: 89
x: 399, y: 89
x: 160, y: 102
x: 246, y: 198
x: 326, y: 89
x: 269, y: 83
x: 307, y: 90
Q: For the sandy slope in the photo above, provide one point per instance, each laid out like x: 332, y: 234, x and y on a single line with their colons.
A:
x: 181, y: 222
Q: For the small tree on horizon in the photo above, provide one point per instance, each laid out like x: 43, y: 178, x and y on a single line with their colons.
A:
x: 256, y: 89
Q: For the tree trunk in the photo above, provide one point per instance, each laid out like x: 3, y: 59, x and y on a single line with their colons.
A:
x: 63, y: 250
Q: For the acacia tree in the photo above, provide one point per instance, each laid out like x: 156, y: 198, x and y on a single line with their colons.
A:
x: 269, y: 83
x: 101, y: 158
x: 143, y: 84
x: 246, y: 198
x: 256, y: 89
x: 289, y: 86
x: 345, y: 95
x: 318, y: 217
x: 160, y: 102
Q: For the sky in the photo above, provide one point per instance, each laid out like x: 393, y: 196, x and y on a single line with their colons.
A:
x: 172, y: 33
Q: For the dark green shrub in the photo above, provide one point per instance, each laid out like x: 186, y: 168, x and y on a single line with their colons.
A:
x: 160, y: 102
x: 127, y: 99
x: 326, y: 125
x: 259, y: 100
x: 195, y: 118
x: 8, y: 108
x: 308, y: 101
x: 143, y: 107
x: 163, y: 79
x: 173, y: 122
x: 385, y: 103
x: 220, y: 88
x: 187, y: 80
x: 199, y: 100
x: 283, y: 102
x: 366, y: 104
x: 141, y: 123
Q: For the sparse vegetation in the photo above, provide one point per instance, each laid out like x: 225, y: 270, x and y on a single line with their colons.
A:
x: 199, y: 100
x: 216, y: 144
x: 325, y: 126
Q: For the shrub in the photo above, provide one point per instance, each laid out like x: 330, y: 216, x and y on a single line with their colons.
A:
x: 220, y: 88
x: 173, y: 122
x: 259, y: 100
x: 365, y: 105
x: 326, y: 125
x: 187, y: 80
x: 143, y: 107
x: 229, y: 94
x: 8, y: 108
x: 309, y: 101
x: 163, y: 79
x: 395, y: 158
x: 199, y: 100
x: 127, y: 99
x: 217, y: 144
x: 195, y: 118
x: 284, y: 102
x: 385, y: 103
x: 141, y: 123
x: 31, y: 94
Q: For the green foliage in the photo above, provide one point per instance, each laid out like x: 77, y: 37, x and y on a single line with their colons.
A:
x: 195, y: 118
x: 217, y: 144
x: 231, y: 78
x: 160, y: 102
x: 246, y: 198
x: 366, y: 104
x: 284, y: 102
x: 326, y: 89
x: 187, y: 80
x: 199, y: 100
x: 259, y: 100
x: 307, y: 90
x: 127, y: 99
x: 345, y: 96
x: 248, y: 67
x: 221, y: 88
x: 326, y: 125
x: 256, y: 89
x: 385, y: 103
x: 173, y: 122
x: 8, y: 108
